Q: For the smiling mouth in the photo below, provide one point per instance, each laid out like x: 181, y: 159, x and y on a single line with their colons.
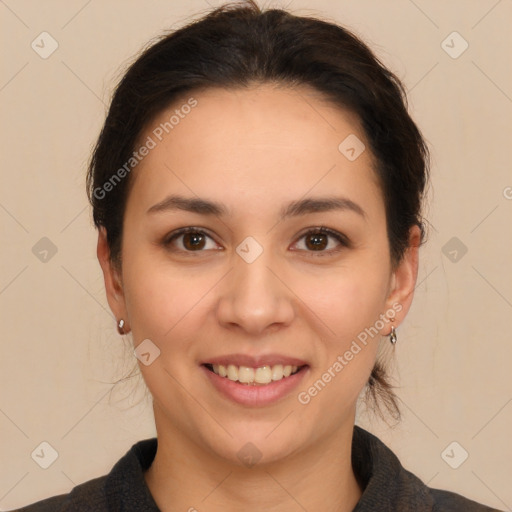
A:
x: 261, y: 376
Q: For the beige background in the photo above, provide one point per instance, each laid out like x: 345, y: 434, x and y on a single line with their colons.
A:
x: 60, y: 351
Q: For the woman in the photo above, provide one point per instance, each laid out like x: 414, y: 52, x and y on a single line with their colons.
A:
x: 257, y: 187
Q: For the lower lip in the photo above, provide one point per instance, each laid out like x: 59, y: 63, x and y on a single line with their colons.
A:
x: 259, y: 395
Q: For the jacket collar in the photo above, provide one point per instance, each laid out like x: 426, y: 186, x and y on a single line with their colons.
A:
x: 388, y: 487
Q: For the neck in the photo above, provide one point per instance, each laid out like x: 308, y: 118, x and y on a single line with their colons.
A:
x: 185, y: 476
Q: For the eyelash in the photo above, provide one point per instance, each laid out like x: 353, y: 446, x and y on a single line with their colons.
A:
x: 342, y: 239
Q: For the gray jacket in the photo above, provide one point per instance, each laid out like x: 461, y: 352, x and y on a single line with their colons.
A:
x: 388, y: 487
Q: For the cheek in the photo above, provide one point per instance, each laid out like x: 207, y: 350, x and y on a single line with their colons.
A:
x: 349, y: 307
x: 159, y: 296
x: 348, y: 301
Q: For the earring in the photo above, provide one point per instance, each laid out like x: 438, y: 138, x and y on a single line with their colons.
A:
x: 120, y: 327
x: 392, y: 335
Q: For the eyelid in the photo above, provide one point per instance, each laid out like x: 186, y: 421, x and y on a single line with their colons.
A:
x: 169, y: 238
x: 340, y: 237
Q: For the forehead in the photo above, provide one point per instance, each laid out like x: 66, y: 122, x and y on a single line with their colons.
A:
x: 256, y: 141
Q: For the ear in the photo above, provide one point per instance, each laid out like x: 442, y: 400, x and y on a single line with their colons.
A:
x: 113, y: 281
x: 403, y: 279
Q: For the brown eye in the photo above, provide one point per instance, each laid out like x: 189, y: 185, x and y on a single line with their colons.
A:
x: 317, y: 241
x: 323, y: 241
x: 192, y: 241
x: 189, y: 240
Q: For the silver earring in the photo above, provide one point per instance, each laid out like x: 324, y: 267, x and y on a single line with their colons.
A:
x: 120, y: 327
x: 392, y: 335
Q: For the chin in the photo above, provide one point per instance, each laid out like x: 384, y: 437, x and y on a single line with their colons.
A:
x: 258, y: 445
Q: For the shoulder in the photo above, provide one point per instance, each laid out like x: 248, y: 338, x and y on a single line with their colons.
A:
x: 388, y: 486
x: 124, y: 488
x: 87, y: 496
x: 446, y: 501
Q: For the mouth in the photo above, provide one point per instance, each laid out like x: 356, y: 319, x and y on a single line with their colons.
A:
x: 255, y: 380
x: 255, y: 376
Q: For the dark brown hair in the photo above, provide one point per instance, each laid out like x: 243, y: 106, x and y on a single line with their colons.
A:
x: 235, y: 46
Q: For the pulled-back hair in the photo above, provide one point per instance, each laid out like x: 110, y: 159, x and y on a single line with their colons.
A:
x: 239, y: 45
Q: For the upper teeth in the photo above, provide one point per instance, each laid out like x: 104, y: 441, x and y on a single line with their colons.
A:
x: 261, y: 375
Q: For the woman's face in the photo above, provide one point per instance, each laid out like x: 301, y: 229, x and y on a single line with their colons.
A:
x: 251, y: 172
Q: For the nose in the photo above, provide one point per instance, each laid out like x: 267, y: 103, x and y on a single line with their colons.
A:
x: 255, y: 296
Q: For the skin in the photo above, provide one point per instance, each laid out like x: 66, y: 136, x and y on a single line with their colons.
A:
x: 255, y: 150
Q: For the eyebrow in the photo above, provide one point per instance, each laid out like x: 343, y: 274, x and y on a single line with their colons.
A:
x: 292, y: 209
